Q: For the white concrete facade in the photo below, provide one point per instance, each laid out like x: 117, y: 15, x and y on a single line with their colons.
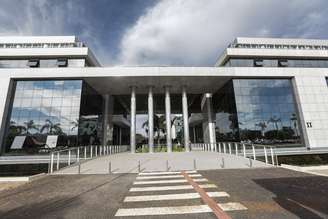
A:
x: 309, y: 84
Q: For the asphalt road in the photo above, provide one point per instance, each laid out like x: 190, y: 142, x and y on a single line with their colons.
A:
x: 267, y: 193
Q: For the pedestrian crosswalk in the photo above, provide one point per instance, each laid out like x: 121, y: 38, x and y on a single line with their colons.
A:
x: 150, y: 190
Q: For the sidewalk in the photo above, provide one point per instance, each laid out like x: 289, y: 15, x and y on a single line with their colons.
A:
x: 129, y: 163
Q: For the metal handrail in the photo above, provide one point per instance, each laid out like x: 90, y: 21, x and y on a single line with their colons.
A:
x: 246, y: 150
x: 82, y: 152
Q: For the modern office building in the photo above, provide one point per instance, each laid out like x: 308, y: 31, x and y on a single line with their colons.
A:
x: 261, y: 90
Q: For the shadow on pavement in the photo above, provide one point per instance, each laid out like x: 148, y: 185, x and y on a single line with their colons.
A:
x: 41, y: 209
x: 306, y: 197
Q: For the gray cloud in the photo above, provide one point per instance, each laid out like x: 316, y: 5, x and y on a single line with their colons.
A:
x: 193, y: 32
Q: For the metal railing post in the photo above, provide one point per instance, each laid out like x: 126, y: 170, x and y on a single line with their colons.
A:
x: 229, y: 145
x: 78, y: 154
x: 254, y: 154
x: 91, y: 150
x: 219, y: 145
x: 265, y: 155
x: 85, y: 152
x: 244, y: 150
x: 52, y: 162
x: 272, y: 156
x: 236, y: 148
x: 69, y: 157
x: 224, y: 148
x: 58, y: 160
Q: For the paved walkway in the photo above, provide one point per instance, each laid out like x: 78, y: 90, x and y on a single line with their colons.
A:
x: 129, y: 163
x: 268, y: 193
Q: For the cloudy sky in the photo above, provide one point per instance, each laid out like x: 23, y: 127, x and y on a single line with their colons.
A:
x: 164, y: 32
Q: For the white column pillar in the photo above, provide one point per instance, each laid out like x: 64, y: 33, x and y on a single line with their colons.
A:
x: 211, y: 124
x: 133, y: 120
x: 105, y: 118
x: 185, y: 119
x: 150, y: 120
x: 168, y: 119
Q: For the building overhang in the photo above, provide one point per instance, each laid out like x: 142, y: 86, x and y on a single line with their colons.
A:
x: 118, y: 80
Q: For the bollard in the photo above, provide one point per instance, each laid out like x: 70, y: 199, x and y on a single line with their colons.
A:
x: 236, y: 148
x: 250, y: 163
x: 222, y: 164
x: 109, y: 167
x: 139, y: 168
x: 254, y: 155
x: 91, y: 149
x: 195, y: 168
x: 167, y: 165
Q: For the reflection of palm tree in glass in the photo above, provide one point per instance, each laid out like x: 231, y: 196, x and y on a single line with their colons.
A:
x: 30, y: 125
x: 75, y: 124
x: 293, y: 118
x: 17, y: 129
x: 274, y: 120
x: 52, y: 128
x: 263, y: 126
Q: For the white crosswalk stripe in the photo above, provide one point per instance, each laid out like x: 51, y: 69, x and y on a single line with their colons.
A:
x: 167, y: 177
x: 142, y: 198
x: 158, y: 178
x: 152, y: 211
x: 166, y: 173
x: 169, y: 188
x: 167, y: 181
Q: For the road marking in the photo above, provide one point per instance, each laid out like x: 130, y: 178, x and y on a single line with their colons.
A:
x: 165, y: 173
x: 167, y: 181
x: 166, y: 177
x: 168, y: 188
x: 152, y: 211
x: 218, y: 211
x: 143, y: 198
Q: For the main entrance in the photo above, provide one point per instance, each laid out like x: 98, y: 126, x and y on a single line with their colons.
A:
x: 157, y: 122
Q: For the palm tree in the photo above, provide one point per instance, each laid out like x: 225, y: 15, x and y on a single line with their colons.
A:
x: 159, y: 126
x: 30, y: 125
x: 52, y: 128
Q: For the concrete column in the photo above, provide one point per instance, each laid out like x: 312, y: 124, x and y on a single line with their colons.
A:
x: 133, y: 120
x: 211, y: 124
x: 168, y: 119
x: 150, y: 120
x: 185, y: 119
x: 105, y: 118
x: 120, y: 136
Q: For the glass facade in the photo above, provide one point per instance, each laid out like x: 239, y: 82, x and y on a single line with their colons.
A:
x: 49, y: 107
x: 257, y: 110
x: 226, y: 128
x: 251, y: 62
